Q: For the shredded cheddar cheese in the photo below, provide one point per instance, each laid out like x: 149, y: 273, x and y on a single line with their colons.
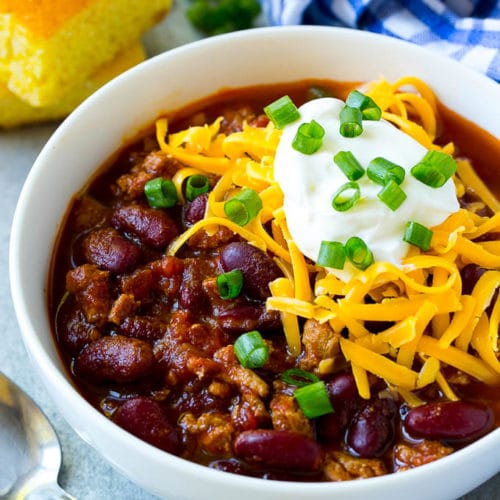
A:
x: 431, y: 323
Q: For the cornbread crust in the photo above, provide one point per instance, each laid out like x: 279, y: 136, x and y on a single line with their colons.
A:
x: 48, y: 46
x: 14, y: 112
x: 43, y: 17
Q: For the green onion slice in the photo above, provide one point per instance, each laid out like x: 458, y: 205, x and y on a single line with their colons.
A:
x: 196, y: 185
x: 298, y: 377
x: 350, y: 122
x: 418, y: 235
x: 160, y: 193
x: 434, y: 169
x: 346, y: 196
x: 358, y: 253
x: 348, y: 163
x: 251, y: 350
x: 282, y: 112
x: 230, y: 284
x: 313, y: 399
x: 315, y: 92
x: 243, y: 207
x: 331, y: 254
x: 309, y: 138
x: 392, y: 195
x: 381, y: 171
x: 365, y: 104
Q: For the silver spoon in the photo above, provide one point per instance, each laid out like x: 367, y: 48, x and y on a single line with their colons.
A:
x: 30, y: 453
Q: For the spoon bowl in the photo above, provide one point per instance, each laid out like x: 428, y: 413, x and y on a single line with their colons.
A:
x: 30, y: 453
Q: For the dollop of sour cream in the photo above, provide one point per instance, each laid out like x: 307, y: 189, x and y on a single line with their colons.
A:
x: 309, y: 182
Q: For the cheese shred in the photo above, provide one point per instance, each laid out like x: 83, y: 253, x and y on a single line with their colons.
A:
x: 425, y: 322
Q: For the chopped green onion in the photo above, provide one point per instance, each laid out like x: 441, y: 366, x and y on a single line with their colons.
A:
x: 434, y: 169
x: 358, y: 253
x: 348, y: 163
x: 313, y: 400
x: 243, y: 207
x: 350, y: 122
x: 196, y: 185
x: 365, y: 104
x: 160, y: 193
x: 282, y: 112
x: 230, y: 284
x: 315, y: 92
x: 308, y: 138
x: 298, y: 377
x: 251, y: 350
x: 346, y: 196
x: 392, y: 195
x: 418, y: 235
x: 381, y: 171
x: 331, y: 254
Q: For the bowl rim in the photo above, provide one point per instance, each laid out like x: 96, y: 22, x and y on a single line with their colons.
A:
x: 54, y: 376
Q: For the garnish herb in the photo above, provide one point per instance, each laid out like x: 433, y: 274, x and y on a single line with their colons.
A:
x: 309, y: 138
x: 382, y: 171
x: 331, y: 254
x: 418, y: 235
x: 243, y: 207
x: 160, y: 193
x: 196, y: 185
x: 346, y: 196
x: 282, y: 112
x: 358, y: 253
x: 313, y: 399
x: 392, y: 195
x: 251, y: 350
x: 365, y: 104
x: 434, y: 169
x: 350, y: 122
x: 229, y: 284
x: 348, y: 163
x: 213, y: 17
x: 298, y: 377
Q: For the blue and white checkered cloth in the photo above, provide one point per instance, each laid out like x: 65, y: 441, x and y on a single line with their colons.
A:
x: 466, y: 30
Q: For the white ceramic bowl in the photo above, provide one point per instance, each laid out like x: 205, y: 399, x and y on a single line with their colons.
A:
x: 123, y: 107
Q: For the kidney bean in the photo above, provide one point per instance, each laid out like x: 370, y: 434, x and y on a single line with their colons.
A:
x: 344, y: 398
x: 152, y: 226
x: 342, y: 389
x: 115, y: 359
x: 279, y: 449
x: 143, y: 327
x: 257, y: 267
x: 110, y: 251
x: 371, y: 430
x: 74, y: 331
x: 145, y: 418
x: 236, y: 467
x: 193, y: 211
x: 230, y: 465
x: 451, y: 421
x: 470, y: 274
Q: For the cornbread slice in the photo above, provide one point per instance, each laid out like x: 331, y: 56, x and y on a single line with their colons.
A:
x: 15, y: 112
x: 49, y: 46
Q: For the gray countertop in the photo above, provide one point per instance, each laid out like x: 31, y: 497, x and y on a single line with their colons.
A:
x: 84, y: 473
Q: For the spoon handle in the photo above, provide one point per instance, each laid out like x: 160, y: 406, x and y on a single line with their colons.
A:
x: 50, y: 492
